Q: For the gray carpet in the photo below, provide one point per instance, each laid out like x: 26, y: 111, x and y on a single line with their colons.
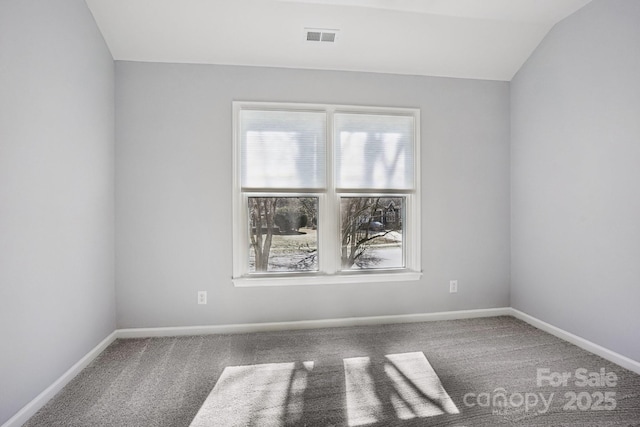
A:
x: 476, y: 372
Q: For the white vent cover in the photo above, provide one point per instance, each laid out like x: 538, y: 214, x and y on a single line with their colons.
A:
x: 320, y: 35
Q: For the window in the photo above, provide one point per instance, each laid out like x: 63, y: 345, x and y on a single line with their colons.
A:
x: 325, y: 194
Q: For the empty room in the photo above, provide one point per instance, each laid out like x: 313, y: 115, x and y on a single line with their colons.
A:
x: 319, y: 213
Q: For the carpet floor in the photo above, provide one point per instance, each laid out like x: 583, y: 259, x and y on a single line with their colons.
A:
x: 495, y: 371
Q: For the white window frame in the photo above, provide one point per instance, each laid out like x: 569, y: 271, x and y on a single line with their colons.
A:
x: 328, y: 209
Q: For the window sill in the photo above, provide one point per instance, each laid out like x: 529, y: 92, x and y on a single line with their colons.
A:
x: 401, y: 276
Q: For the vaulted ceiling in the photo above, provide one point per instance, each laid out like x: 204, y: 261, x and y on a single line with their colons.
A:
x: 481, y: 39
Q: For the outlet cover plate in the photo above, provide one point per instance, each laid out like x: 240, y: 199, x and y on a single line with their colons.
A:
x: 453, y: 286
x: 202, y: 297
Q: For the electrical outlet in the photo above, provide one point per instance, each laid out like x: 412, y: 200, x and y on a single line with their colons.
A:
x: 453, y: 286
x: 202, y: 297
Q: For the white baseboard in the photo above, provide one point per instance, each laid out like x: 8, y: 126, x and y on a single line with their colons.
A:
x: 309, y: 324
x: 40, y: 400
x: 32, y: 407
x: 603, y: 352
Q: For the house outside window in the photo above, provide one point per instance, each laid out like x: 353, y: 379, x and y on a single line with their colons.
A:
x: 325, y: 194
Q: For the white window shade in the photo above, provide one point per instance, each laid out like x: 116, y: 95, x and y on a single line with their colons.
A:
x: 283, y: 149
x: 374, y: 151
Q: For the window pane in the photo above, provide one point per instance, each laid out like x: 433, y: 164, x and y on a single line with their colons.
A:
x: 283, y: 149
x: 372, y: 232
x: 283, y: 234
x: 374, y: 151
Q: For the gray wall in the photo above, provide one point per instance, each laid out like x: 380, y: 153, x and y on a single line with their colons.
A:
x: 576, y: 177
x: 56, y: 194
x: 173, y: 194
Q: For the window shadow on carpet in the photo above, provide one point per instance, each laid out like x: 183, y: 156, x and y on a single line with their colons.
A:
x: 359, y: 391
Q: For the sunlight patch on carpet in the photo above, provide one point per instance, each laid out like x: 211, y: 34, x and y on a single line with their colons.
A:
x: 266, y: 394
x: 404, y: 383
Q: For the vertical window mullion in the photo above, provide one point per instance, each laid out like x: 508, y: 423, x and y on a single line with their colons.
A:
x: 330, y: 223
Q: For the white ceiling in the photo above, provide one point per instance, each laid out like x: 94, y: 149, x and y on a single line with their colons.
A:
x: 480, y: 39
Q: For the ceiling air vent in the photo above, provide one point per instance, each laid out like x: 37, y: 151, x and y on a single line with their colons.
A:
x: 320, y: 35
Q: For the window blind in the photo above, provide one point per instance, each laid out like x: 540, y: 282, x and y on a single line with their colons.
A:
x: 283, y: 149
x: 374, y: 151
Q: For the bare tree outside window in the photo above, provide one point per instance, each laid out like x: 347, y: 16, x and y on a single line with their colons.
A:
x: 283, y: 234
x: 371, y: 232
